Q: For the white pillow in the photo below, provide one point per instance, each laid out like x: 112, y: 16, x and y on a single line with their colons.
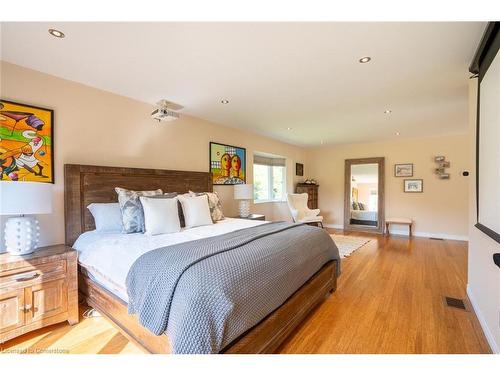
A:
x: 161, y: 215
x: 196, y: 210
x: 107, y: 216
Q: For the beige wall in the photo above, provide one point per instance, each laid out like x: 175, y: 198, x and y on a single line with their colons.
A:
x: 483, y: 285
x: 364, y: 192
x: 98, y: 127
x: 442, y: 208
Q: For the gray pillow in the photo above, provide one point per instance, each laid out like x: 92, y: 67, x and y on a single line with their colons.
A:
x: 131, y: 208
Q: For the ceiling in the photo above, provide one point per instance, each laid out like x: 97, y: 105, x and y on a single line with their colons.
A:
x: 303, y: 76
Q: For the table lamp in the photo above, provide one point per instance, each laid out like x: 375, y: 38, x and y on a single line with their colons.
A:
x: 22, y: 233
x: 243, y: 193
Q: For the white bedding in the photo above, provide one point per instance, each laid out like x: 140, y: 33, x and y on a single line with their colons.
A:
x: 364, y: 215
x: 109, y: 256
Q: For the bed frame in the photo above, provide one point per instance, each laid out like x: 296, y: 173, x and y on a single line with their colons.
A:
x: 84, y: 184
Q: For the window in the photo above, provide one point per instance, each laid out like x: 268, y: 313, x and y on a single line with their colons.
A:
x: 269, y: 178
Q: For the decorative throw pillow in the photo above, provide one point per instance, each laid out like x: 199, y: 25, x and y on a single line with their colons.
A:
x: 130, y: 205
x: 161, y: 215
x: 214, y: 204
x: 195, y: 209
x: 361, y: 206
x: 181, y: 214
x: 355, y: 206
x: 107, y: 216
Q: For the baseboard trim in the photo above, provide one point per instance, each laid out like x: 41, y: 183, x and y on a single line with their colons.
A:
x: 486, y: 330
x: 403, y: 232
x: 333, y: 226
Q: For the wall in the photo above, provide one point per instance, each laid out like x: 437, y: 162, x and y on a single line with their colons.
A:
x: 483, y: 285
x: 441, y: 210
x: 101, y: 128
x: 364, y: 192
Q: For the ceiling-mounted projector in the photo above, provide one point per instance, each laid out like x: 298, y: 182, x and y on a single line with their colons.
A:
x: 166, y: 111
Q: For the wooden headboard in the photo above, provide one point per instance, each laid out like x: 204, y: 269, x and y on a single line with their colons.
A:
x: 85, y: 184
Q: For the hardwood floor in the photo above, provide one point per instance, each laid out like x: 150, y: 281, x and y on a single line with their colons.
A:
x: 390, y: 299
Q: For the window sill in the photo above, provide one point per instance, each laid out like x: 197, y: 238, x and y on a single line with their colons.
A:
x: 269, y: 201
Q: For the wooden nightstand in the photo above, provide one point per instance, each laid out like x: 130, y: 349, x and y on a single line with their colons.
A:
x: 37, y: 290
x: 253, y: 217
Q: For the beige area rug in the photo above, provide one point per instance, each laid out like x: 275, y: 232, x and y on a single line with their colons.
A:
x: 348, y: 244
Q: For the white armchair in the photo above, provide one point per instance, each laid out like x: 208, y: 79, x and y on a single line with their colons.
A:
x: 297, y: 203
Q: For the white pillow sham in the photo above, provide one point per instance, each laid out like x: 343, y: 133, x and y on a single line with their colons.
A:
x: 107, y: 216
x: 196, y: 210
x: 161, y: 215
x: 214, y: 204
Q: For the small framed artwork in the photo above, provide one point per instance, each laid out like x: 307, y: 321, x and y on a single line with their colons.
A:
x: 403, y: 170
x: 227, y: 164
x: 414, y: 186
x: 26, y: 143
x: 299, y: 169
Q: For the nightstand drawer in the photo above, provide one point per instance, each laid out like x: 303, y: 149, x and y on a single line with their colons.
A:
x: 22, y: 277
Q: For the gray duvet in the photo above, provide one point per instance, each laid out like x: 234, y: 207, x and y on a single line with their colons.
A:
x: 206, y: 293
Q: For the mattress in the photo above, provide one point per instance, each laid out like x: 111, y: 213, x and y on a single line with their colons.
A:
x: 364, y: 215
x: 108, y: 256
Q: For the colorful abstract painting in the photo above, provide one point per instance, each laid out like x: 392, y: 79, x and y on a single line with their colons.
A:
x: 26, y: 143
x: 227, y: 164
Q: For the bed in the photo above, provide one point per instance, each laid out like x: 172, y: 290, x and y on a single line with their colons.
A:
x: 105, y: 292
x: 364, y: 217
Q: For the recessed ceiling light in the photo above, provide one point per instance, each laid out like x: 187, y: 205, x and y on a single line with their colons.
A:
x: 224, y: 101
x: 56, y: 33
x: 387, y: 111
x: 397, y: 133
x: 288, y: 128
x: 365, y: 59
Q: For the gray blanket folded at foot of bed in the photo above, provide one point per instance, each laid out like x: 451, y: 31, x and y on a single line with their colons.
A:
x: 206, y: 293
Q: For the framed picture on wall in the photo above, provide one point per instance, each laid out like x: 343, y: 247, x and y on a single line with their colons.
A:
x: 414, y: 186
x: 227, y: 164
x: 299, y: 169
x: 403, y: 170
x: 26, y: 143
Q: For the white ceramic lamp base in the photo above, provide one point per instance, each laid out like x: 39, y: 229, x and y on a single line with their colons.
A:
x: 21, y: 235
x: 244, y: 208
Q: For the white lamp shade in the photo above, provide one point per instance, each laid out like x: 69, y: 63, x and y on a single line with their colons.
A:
x: 243, y: 191
x: 25, y: 198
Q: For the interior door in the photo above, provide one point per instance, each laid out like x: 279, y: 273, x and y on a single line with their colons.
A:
x: 11, y: 309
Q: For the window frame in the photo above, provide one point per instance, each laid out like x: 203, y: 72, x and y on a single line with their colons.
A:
x: 270, y: 176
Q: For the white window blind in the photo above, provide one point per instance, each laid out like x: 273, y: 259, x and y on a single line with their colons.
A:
x: 269, y: 161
